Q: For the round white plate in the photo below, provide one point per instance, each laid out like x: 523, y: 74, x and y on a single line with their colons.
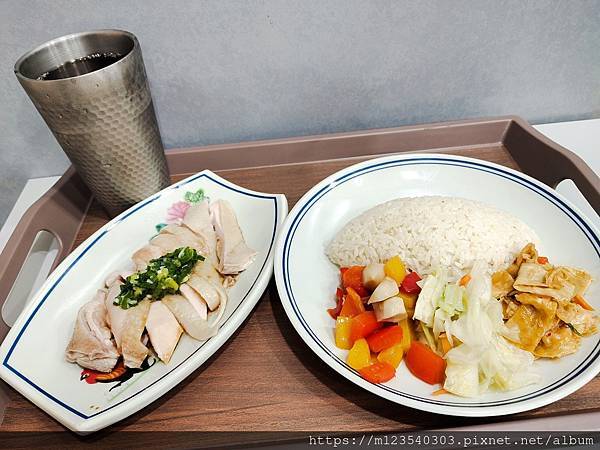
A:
x: 307, y: 280
x: 32, y: 355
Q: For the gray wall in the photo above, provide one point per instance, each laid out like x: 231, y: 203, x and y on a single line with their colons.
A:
x: 225, y: 71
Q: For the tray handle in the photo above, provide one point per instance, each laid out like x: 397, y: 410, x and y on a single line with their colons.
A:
x: 549, y: 162
x: 60, y: 212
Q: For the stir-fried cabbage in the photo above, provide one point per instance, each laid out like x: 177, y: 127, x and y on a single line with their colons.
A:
x: 484, y: 357
x: 438, y: 303
x: 432, y: 288
x: 452, y: 302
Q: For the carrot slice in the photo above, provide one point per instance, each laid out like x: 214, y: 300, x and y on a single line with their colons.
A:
x: 380, y: 372
x: 425, y: 364
x: 440, y: 392
x: 465, y: 280
x: 542, y: 260
x: 578, y: 299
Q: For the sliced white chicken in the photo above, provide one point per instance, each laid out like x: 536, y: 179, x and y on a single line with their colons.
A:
x: 133, y: 350
x: 112, y: 278
x: 118, y: 275
x: 170, y: 242
x: 194, y: 298
x: 172, y: 229
x: 233, y: 253
x: 229, y: 281
x: 127, y: 326
x: 167, y: 242
x: 115, y: 314
x: 169, y: 239
x: 187, y: 238
x: 91, y: 345
x: 212, y: 293
x: 197, y: 218
x: 144, y: 255
x: 207, y: 270
x: 190, y: 320
x: 164, y: 330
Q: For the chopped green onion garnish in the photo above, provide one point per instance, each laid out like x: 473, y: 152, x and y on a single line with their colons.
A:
x: 162, y: 276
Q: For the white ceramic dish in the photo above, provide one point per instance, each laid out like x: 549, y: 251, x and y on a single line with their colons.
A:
x: 567, y: 238
x: 32, y: 354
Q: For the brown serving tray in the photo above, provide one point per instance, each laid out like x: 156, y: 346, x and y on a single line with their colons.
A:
x: 265, y: 378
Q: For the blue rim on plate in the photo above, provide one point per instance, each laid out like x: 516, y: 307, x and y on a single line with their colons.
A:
x: 305, y: 204
x: 125, y: 216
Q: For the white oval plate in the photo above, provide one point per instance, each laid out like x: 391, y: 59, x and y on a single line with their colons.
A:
x: 306, y: 279
x: 32, y: 354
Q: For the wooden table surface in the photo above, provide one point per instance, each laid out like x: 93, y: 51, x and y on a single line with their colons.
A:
x: 265, y: 377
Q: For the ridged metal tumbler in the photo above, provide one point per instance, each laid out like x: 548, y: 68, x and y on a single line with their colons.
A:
x: 103, y: 119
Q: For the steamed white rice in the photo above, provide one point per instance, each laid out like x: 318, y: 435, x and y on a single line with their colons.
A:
x: 432, y: 232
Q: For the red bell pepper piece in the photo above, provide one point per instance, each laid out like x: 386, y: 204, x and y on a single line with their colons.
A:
x: 409, y: 284
x: 339, y: 301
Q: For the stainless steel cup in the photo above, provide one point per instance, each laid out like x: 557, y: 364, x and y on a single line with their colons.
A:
x: 104, y: 120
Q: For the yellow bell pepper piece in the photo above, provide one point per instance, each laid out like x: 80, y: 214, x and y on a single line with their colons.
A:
x: 342, y: 332
x: 359, y: 355
x: 392, y: 355
x: 394, y: 268
x: 407, y: 333
x: 410, y: 300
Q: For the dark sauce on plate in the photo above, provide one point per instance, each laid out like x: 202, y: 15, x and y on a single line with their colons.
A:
x: 81, y: 66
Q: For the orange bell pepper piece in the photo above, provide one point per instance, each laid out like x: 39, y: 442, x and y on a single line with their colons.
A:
x: 352, y: 278
x: 385, y: 338
x: 352, y: 305
x: 363, y: 325
x: 425, y: 364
